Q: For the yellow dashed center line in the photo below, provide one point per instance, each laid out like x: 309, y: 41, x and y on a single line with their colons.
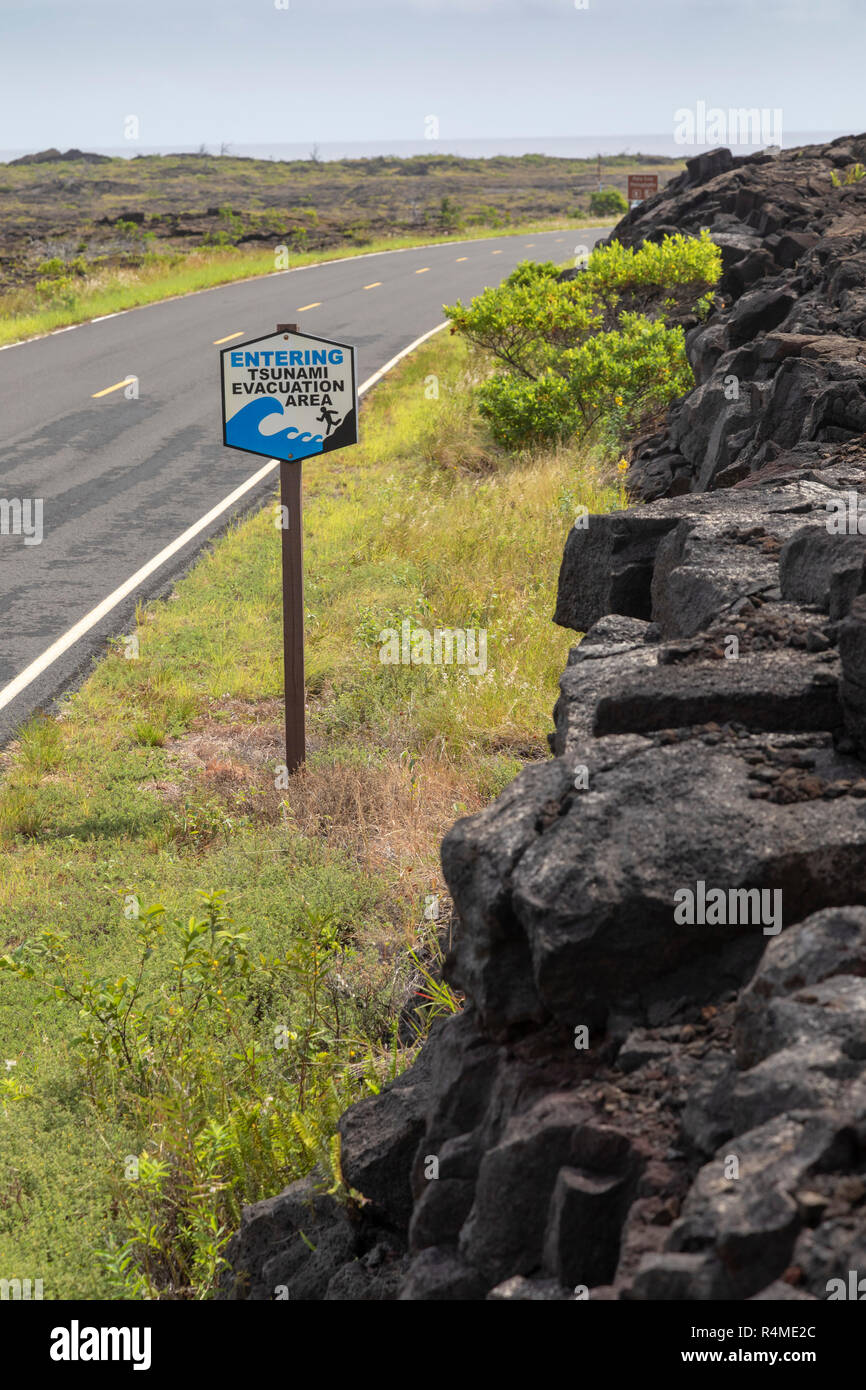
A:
x: 496, y: 253
x: 375, y: 285
x: 463, y: 258
x: 116, y: 387
x: 304, y: 307
x: 217, y: 341
x: 529, y: 244
x: 423, y: 270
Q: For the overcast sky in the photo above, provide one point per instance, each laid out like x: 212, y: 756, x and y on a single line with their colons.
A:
x: 249, y: 71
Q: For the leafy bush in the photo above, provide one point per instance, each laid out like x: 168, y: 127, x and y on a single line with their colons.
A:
x: 607, y: 201
x: 604, y: 346
x: 489, y: 216
x: 228, y: 232
x: 58, y: 288
x: 629, y: 374
x: 449, y: 215
x: 58, y: 292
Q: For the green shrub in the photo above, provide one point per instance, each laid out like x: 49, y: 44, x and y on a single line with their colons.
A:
x: 128, y: 229
x: 603, y: 348
x: 450, y: 217
x: 607, y: 202
x: 58, y: 290
x: 488, y: 216
x: 228, y: 232
x: 628, y: 374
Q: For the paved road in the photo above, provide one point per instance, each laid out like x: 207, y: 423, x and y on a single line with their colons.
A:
x: 123, y: 478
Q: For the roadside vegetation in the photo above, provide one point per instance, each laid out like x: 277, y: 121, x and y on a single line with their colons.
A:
x: 70, y: 291
x: 203, y: 960
x: 596, y: 357
x: 608, y: 202
x: 83, y: 235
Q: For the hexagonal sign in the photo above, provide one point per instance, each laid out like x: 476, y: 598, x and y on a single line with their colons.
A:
x: 289, y: 396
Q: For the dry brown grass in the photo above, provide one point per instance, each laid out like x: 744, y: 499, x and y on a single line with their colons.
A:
x: 393, y: 813
x: 389, y: 811
x: 388, y: 815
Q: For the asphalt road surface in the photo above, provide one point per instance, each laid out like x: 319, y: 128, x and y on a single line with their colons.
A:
x: 121, y: 479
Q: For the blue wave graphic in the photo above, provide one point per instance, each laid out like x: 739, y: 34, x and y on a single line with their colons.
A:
x: 242, y: 431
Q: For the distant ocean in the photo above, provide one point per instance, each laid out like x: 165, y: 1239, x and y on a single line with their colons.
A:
x: 564, y: 147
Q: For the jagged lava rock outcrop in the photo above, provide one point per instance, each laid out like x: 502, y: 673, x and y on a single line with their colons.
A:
x: 631, y: 1103
x: 781, y: 370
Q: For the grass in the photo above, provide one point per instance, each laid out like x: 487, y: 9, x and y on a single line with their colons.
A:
x: 164, y: 275
x: 143, y: 1097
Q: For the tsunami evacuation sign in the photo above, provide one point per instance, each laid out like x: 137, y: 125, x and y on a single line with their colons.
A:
x: 289, y: 396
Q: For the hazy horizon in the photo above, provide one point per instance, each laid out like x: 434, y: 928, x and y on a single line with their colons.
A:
x: 652, y: 144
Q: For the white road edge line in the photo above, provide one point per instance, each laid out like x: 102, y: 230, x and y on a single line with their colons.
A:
x: 30, y: 673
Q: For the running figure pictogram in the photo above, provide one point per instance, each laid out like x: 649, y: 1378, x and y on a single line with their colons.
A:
x: 329, y: 418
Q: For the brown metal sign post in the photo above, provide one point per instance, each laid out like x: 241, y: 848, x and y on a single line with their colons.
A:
x: 291, y: 501
x: 290, y: 396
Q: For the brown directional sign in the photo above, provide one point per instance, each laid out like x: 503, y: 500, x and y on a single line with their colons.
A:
x: 642, y: 186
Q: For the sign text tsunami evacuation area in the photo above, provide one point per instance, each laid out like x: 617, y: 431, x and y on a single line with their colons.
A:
x: 290, y: 396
